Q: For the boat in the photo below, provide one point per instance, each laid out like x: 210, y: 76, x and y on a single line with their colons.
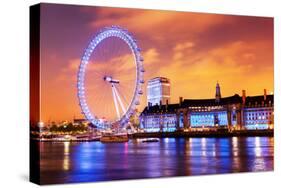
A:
x: 150, y: 140
x: 111, y: 138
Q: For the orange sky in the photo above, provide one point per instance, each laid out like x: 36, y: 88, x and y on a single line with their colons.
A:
x: 193, y: 50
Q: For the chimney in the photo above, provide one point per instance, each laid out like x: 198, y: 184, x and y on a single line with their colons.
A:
x: 243, y: 96
x: 167, y: 103
x: 160, y: 102
x: 180, y: 101
x: 264, y: 94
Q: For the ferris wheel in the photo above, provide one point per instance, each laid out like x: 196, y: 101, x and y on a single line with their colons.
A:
x: 110, y: 78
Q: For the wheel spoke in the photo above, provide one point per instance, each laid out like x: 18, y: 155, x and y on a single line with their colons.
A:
x: 121, y: 94
x: 115, y: 102
x: 119, y: 99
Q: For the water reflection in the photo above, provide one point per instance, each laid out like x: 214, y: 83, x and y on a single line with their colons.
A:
x: 94, y: 161
x: 66, y: 163
x: 235, y: 147
x: 257, y: 147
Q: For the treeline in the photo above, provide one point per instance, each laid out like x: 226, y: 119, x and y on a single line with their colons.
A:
x: 66, y: 128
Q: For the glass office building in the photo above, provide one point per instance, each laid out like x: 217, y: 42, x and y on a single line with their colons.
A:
x: 158, y: 91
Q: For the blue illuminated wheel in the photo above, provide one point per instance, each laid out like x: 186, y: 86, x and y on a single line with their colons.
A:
x: 110, y: 78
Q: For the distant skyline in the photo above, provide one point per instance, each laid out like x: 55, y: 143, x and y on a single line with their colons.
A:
x: 193, y: 50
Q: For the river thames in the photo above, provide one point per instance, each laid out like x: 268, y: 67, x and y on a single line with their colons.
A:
x: 70, y: 162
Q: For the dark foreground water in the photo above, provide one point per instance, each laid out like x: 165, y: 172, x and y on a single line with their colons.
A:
x: 66, y: 162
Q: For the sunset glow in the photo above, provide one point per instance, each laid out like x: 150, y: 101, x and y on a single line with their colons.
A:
x: 193, y: 50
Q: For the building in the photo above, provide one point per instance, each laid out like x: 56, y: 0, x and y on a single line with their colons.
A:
x: 232, y: 113
x: 158, y: 91
x: 218, y: 92
x: 80, y: 121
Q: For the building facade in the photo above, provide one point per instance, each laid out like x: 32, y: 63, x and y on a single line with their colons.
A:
x: 158, y: 91
x: 232, y: 113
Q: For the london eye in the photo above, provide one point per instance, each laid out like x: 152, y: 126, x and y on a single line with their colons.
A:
x: 110, y: 78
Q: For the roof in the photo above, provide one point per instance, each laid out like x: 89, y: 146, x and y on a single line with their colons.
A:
x: 163, y: 108
x: 235, y: 99
x: 212, y: 102
x: 161, y: 79
x: 259, y: 99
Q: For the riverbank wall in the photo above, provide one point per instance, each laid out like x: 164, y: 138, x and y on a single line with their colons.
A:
x: 215, y: 134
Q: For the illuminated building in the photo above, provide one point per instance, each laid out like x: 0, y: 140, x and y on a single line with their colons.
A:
x: 159, y: 118
x: 258, y: 112
x: 232, y: 113
x: 158, y: 91
x: 80, y: 121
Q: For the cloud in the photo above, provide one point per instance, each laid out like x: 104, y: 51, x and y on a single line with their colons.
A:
x: 182, y: 50
x: 151, y: 56
x: 69, y: 72
x: 72, y: 65
x: 234, y: 65
x: 194, y: 50
x: 159, y: 23
x: 249, y: 56
x: 121, y: 64
x: 183, y: 46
